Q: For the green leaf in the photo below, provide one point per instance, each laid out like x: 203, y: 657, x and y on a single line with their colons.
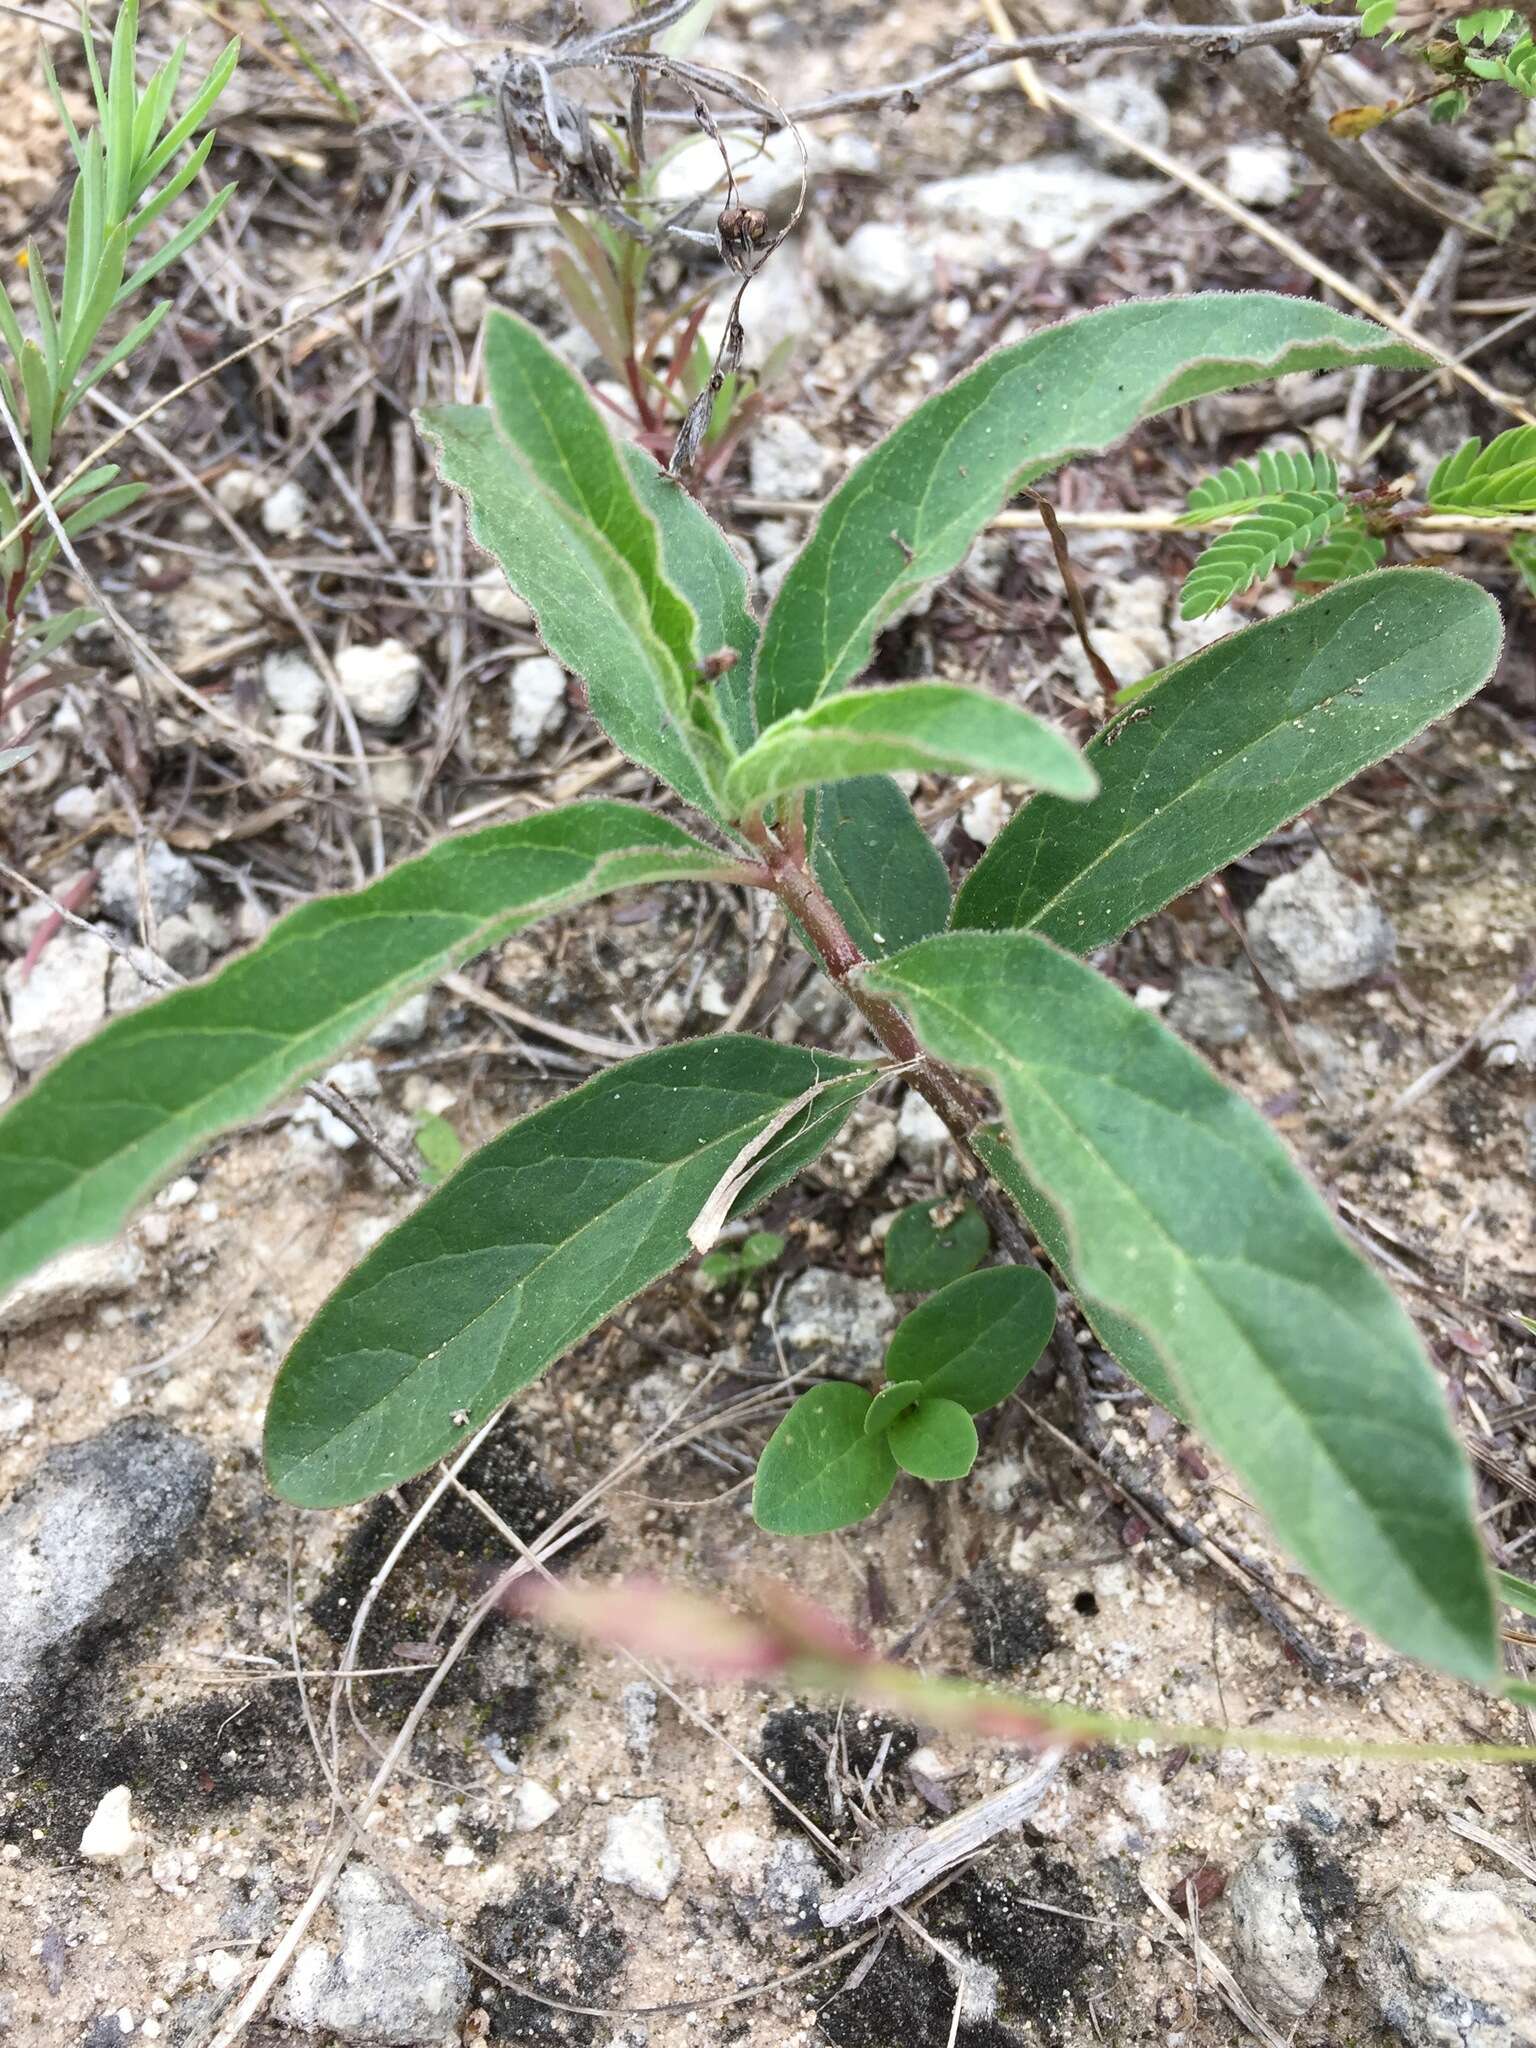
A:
x: 41, y: 640
x: 932, y: 728
x: 819, y: 1471
x: 98, y: 1131
x: 536, y: 1239
x: 1122, y: 1339
x: 891, y: 1401
x: 106, y: 506
x: 932, y: 1243
x: 1519, y: 1593
x: 1236, y: 740
x: 1267, y: 539
x: 177, y: 246
x: 1485, y: 26
x: 38, y: 385
x: 912, y: 507
x: 1498, y: 478
x: 1351, y: 549
x: 934, y: 1440
x: 438, y: 1143
x: 1522, y: 555
x: 188, y: 123
x: 1376, y: 15
x: 884, y: 876
x: 553, y: 500
x: 760, y: 1250
x: 977, y: 1339
x: 1187, y: 1216
x: 1276, y: 471
x: 701, y: 562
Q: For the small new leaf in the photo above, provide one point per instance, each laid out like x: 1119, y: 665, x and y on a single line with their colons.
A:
x: 819, y: 1471
x: 934, y: 1440
x: 932, y: 1243
x: 891, y: 1401
x: 926, y: 728
x: 977, y: 1340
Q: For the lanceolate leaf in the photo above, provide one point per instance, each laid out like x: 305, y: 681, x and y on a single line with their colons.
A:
x: 885, y: 877
x: 1233, y: 742
x: 911, y: 508
x: 819, y: 1470
x: 540, y: 1235
x: 1186, y: 1215
x: 96, y: 1133
x: 930, y: 728
x: 551, y: 498
x: 976, y: 1339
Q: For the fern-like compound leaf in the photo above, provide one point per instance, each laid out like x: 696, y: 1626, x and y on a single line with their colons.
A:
x: 1350, y: 550
x: 1244, y: 486
x: 1266, y: 540
x: 1498, y: 478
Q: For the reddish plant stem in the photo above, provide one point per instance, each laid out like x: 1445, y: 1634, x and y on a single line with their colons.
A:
x: 790, y: 878
x: 13, y: 590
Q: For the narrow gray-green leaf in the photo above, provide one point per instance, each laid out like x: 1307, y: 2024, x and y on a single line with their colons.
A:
x: 927, y: 728
x: 533, y: 1241
x: 976, y: 1339
x: 1186, y: 1215
x: 911, y: 508
x: 885, y: 877
x: 551, y: 498
x: 1228, y: 745
x: 1518, y: 1593
x: 819, y: 1471
x: 934, y: 1440
x: 96, y: 1133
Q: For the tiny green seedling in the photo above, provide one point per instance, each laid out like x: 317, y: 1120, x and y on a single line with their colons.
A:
x: 835, y: 1456
x: 732, y: 1265
x: 932, y: 1243
x: 438, y: 1145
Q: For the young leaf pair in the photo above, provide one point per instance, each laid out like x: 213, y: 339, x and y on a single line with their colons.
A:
x: 1196, y: 1249
x: 835, y: 1456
